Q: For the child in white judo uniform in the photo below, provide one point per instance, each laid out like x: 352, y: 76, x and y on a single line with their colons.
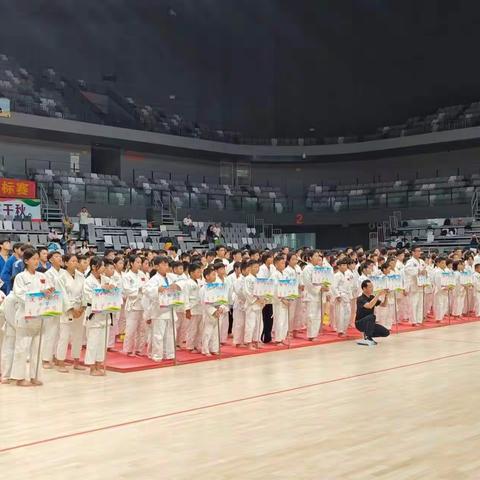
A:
x: 253, y: 309
x: 71, y: 323
x: 193, y: 308
x: 27, y: 338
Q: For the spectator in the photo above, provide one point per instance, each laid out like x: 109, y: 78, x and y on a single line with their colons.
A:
x: 474, y: 242
x: 67, y: 227
x: 209, y: 235
x: 71, y: 247
x: 5, y: 248
x: 217, y: 231
x: 84, y: 215
x: 188, y: 224
x: 54, y: 236
x: 44, y: 264
x: 6, y: 275
x: 84, y: 248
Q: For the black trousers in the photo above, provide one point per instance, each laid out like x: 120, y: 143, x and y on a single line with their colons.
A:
x: 83, y: 232
x: 230, y: 321
x: 267, y: 314
x: 371, y: 329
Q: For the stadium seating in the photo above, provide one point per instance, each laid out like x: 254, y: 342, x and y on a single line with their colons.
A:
x: 51, y: 94
x: 435, y: 191
x: 432, y: 233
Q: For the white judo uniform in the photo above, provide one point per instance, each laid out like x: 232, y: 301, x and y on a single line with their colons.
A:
x: 71, y: 329
x: 280, y: 310
x: 163, y: 319
x: 440, y: 296
x: 253, y: 312
x: 413, y: 269
x: 239, y: 302
x: 27, y: 331
x: 313, y: 302
x: 342, y: 292
x: 296, y: 308
x: 210, y: 325
x: 51, y: 325
x: 459, y: 296
x: 476, y: 294
x: 224, y: 315
x: 96, y: 324
x: 193, y: 327
x: 135, y: 328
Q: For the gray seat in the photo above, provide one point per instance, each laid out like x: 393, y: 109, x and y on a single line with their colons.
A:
x: 42, y: 239
x: 33, y: 239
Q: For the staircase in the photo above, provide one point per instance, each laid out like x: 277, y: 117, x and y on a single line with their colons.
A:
x: 51, y: 211
x: 164, y: 213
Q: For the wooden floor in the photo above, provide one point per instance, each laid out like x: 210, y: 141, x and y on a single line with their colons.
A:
x: 407, y: 409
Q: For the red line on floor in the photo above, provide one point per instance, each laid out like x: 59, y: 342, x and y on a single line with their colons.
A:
x: 230, y: 402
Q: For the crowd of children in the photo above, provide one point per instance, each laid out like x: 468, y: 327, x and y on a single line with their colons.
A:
x: 145, y: 325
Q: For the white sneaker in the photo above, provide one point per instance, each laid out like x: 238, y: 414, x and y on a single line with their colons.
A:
x: 368, y: 343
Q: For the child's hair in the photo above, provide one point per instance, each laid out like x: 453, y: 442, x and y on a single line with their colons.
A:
x: 132, y: 258
x: 67, y: 257
x: 117, y: 259
x: 266, y: 256
x: 160, y: 259
x: 236, y: 265
x: 193, y: 267
x: 51, y: 254
x: 456, y: 263
x: 95, y: 264
x: 208, y: 271
x: 28, y: 254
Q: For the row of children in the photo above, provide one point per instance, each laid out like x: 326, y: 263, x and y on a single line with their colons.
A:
x: 161, y: 301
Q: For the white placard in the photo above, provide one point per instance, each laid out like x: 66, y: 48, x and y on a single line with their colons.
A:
x: 322, y: 276
x: 264, y: 287
x: 106, y: 301
x: 447, y: 279
x: 379, y: 282
x: 215, y: 294
x: 171, y: 298
x: 37, y: 304
x: 395, y: 282
x: 287, y: 288
x: 423, y: 281
x: 466, y: 278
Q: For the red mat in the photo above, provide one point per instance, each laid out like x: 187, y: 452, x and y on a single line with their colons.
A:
x: 118, y: 362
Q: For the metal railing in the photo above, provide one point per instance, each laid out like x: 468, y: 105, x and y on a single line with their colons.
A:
x: 44, y: 200
x: 474, y: 202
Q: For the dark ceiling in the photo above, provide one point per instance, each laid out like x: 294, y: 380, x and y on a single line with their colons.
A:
x: 264, y: 67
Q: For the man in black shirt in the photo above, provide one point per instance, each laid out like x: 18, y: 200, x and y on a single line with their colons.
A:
x: 365, y: 319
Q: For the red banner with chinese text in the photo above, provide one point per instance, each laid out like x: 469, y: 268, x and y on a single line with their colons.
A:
x: 10, y: 187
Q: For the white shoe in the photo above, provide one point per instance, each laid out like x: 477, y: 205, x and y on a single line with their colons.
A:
x: 368, y: 343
